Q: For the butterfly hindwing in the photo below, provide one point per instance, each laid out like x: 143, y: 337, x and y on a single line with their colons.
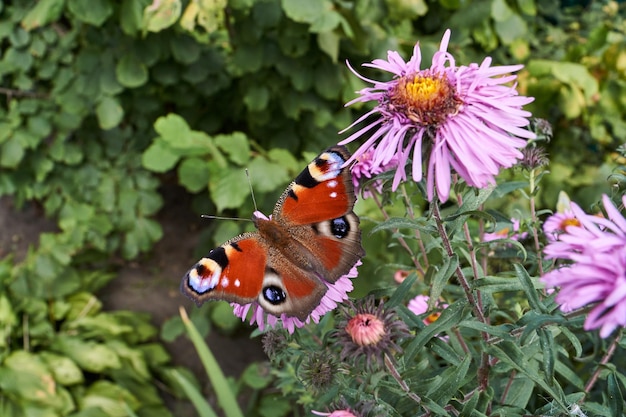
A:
x: 233, y: 272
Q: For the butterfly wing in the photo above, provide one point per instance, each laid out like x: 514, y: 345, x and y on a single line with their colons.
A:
x: 313, y: 237
x: 233, y: 272
x: 245, y: 270
x: 317, y: 209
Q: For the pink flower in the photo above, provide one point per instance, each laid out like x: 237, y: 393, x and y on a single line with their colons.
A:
x: 593, y: 234
x: 336, y: 413
x: 558, y: 223
x: 461, y: 117
x: 336, y: 293
x: 419, y: 306
x: 504, y: 233
x: 598, y: 279
x: 597, y: 274
x: 363, y: 169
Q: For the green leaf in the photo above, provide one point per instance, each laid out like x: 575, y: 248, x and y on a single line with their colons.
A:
x: 131, y: 72
x: 328, y: 42
x: 441, y: 279
x: 399, y: 295
x: 527, y: 7
x: 185, y: 49
x: 25, y: 376
x: 223, y: 318
x: 529, y: 288
x: 159, y: 157
x: 285, y: 159
x: 140, y: 239
x: 274, y: 405
x: 193, y: 174
x: 172, y: 328
x: 225, y: 396
x: 512, y: 355
x: 203, y: 408
x: 65, y: 371
x: 256, y: 376
x: 493, y: 285
x: 327, y: 21
x: 256, y: 98
x: 90, y: 356
x: 450, y: 381
x: 403, y: 223
x: 503, y: 331
x: 161, y: 15
x: 93, y: 12
x: 227, y: 187
x: 304, y: 11
x: 450, y: 316
x: 511, y: 29
x: 267, y: 176
x: 44, y: 12
x: 500, y: 11
x: 546, y: 341
x: 131, y: 15
x: 171, y: 126
x: 109, y: 113
x: 616, y: 399
x: 111, y: 398
x: 236, y: 145
x: 11, y: 153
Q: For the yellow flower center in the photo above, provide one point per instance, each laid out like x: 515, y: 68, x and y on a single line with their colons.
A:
x: 426, y: 100
x: 569, y: 222
x: 432, y: 317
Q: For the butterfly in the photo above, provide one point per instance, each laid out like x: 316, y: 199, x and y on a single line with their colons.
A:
x: 312, y: 237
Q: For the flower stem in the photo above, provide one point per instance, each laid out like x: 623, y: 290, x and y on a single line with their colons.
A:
x: 459, y: 272
x: 401, y: 240
x: 605, y: 359
x: 533, y: 214
x: 396, y: 375
x: 418, y: 236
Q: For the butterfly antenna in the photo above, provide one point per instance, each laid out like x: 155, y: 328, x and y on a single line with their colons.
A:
x: 251, y: 190
x: 210, y: 216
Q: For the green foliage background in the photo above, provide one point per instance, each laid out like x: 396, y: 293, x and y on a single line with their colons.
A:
x: 104, y: 100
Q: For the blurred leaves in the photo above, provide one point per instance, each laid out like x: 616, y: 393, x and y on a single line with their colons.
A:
x: 105, y: 102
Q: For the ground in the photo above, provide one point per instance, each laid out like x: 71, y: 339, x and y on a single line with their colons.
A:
x: 150, y: 284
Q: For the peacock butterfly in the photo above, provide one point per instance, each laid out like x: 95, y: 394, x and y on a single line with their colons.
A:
x: 312, y: 236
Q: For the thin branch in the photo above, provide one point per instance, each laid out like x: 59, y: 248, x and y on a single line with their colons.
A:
x: 401, y: 240
x: 605, y: 359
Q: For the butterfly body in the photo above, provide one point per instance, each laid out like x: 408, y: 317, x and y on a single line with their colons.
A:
x: 312, y: 238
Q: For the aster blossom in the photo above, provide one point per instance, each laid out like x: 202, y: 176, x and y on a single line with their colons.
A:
x: 596, y: 276
x: 363, y: 170
x: 419, y: 305
x: 461, y: 118
x: 582, y: 233
x: 504, y: 233
x: 368, y: 331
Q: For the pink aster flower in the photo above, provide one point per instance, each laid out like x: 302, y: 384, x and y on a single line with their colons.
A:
x: 337, y: 293
x: 597, y: 279
x: 557, y: 224
x: 336, y: 413
x: 597, y: 273
x: 364, y: 169
x: 419, y: 305
x: 462, y: 118
x: 504, y: 233
x: 593, y: 233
